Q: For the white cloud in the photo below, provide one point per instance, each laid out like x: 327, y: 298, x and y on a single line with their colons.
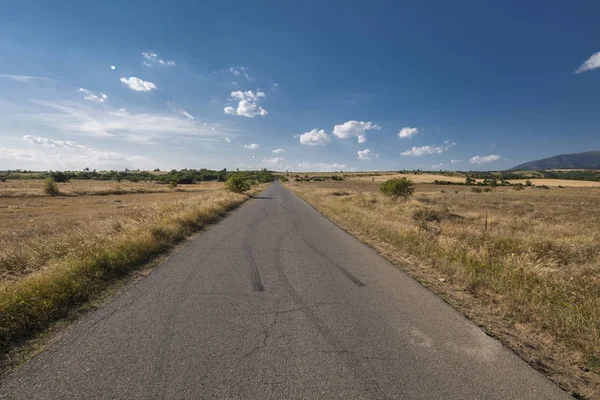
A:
x: 228, y: 140
x: 91, y: 96
x: 366, y: 154
x: 53, y: 143
x: 591, y: 63
x: 252, y: 146
x: 247, y: 104
x: 276, y: 163
x: 427, y: 150
x: 108, y: 122
x: 315, y: 137
x: 484, y: 159
x: 437, y: 166
x: 323, y: 167
x: 113, y: 67
x: 138, y: 84
x: 240, y: 71
x: 278, y: 151
x: 25, y: 78
x: 69, y: 155
x: 352, y: 129
x: 456, y: 161
x: 151, y: 58
x: 407, y: 132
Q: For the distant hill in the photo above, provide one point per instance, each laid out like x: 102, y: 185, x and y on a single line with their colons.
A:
x: 587, y: 160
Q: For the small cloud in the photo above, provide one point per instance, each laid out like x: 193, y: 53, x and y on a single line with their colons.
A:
x: 407, y: 132
x: 228, y: 140
x: 484, y: 159
x: 315, y: 137
x: 240, y: 71
x: 437, y: 166
x: 54, y: 143
x: 455, y: 161
x: 151, y: 58
x: 91, y: 96
x: 427, y: 150
x: 138, y: 84
x: 591, y: 63
x: 278, y: 151
x: 113, y: 67
x: 247, y: 104
x: 252, y: 146
x: 353, y: 128
x: 366, y: 154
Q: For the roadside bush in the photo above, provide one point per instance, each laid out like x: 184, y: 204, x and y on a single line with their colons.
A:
x: 397, y: 187
x: 237, y: 184
x: 50, y: 187
x: 337, y: 178
x: 476, y: 190
x: 173, y: 184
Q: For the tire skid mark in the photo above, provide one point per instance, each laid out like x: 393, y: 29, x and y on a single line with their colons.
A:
x: 337, y: 266
x: 257, y: 284
x: 349, y: 358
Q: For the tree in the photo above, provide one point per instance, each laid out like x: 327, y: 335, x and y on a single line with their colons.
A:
x: 469, y: 180
x: 237, y: 183
x: 397, y: 187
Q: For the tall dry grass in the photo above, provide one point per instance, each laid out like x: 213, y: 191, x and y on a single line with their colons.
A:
x: 67, y: 268
x: 533, y: 256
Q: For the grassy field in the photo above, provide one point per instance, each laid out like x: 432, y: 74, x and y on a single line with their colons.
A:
x: 525, y: 265
x: 35, y: 188
x: 58, y: 252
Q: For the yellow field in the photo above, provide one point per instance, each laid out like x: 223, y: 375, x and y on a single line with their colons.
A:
x: 58, y: 252
x: 558, y: 182
x: 35, y: 187
x: 523, y: 264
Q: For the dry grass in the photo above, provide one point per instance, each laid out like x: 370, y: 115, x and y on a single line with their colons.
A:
x: 35, y: 188
x: 525, y: 264
x: 558, y: 182
x: 58, y: 252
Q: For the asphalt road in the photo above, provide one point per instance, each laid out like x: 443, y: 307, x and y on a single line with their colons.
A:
x: 276, y: 302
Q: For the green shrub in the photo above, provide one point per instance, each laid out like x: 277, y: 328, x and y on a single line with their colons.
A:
x: 397, y: 187
x: 50, y: 187
x: 237, y: 184
x: 476, y: 190
x: 173, y: 184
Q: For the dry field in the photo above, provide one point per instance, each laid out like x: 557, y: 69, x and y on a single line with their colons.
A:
x: 58, y: 252
x: 524, y: 265
x: 558, y: 182
x: 35, y: 188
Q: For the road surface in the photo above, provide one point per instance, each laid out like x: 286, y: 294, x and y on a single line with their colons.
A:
x: 276, y: 302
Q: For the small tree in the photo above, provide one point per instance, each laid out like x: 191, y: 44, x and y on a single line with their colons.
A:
x: 237, y: 183
x: 397, y: 187
x: 469, y: 180
x: 528, y: 183
x: 51, y: 187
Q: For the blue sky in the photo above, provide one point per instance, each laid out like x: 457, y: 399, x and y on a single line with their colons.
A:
x: 304, y: 86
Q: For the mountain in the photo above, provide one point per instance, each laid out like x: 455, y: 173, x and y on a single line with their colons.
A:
x: 587, y: 160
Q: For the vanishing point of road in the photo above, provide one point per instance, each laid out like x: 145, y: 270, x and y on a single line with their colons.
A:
x: 275, y: 302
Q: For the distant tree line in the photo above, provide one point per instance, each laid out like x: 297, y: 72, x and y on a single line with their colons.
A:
x: 183, y: 176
